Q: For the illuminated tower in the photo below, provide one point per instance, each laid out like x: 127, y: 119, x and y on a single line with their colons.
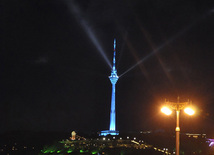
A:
x: 113, y: 78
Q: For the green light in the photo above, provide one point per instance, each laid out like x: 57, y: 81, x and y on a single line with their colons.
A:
x: 46, y: 151
x: 70, y: 150
x: 94, y: 152
x: 58, y: 151
x: 83, y: 151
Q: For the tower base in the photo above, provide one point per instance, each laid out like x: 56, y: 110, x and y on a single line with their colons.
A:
x: 108, y: 132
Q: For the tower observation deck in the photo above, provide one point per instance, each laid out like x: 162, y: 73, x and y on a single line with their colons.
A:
x: 113, y: 78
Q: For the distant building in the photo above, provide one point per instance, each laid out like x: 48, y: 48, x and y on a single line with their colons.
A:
x: 195, y: 135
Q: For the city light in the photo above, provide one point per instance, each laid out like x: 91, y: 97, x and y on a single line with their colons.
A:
x: 189, y: 111
x: 166, y: 110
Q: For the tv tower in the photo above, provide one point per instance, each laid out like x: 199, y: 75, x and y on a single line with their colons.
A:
x: 113, y: 78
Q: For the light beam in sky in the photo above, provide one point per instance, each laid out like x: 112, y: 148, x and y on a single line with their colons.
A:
x: 143, y: 59
x: 180, y: 33
x: 84, y: 24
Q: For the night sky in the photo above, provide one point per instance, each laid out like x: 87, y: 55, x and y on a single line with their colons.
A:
x: 54, y: 75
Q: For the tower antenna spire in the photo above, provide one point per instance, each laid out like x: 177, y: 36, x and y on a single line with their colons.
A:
x: 114, y: 59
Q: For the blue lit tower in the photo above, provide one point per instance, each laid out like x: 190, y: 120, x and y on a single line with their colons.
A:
x: 113, y: 78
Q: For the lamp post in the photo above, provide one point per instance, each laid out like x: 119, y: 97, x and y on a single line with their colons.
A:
x: 177, y: 106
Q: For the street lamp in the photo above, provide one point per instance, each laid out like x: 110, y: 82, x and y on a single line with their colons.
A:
x: 177, y: 106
